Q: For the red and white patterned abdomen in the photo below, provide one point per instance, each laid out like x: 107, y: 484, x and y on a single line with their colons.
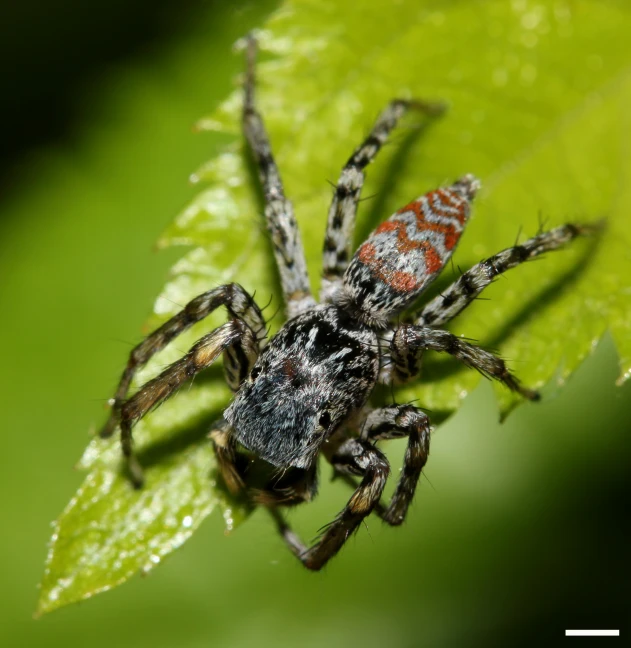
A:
x: 406, y: 252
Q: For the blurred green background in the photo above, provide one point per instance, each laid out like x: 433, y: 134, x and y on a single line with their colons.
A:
x: 519, y: 530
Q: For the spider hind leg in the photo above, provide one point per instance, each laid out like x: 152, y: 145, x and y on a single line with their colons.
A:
x: 279, y: 212
x: 338, y: 240
x: 471, y: 283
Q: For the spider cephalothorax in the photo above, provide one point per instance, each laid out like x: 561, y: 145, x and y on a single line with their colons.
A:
x: 305, y: 393
x: 314, y: 373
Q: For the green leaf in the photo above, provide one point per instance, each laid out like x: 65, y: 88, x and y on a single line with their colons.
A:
x: 538, y: 95
x: 108, y: 531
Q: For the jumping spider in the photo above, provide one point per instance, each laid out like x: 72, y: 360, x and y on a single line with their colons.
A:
x: 305, y: 392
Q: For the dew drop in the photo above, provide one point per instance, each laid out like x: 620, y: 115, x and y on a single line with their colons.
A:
x: 227, y: 516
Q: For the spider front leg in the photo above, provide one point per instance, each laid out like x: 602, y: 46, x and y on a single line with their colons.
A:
x: 285, y: 488
x: 374, y: 469
x: 341, y: 221
x: 240, y: 305
x: 153, y: 393
x: 230, y: 463
x: 472, y: 282
x: 392, y: 423
x: 279, y: 213
x: 410, y: 342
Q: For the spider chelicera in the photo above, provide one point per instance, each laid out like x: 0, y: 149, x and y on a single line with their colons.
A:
x: 305, y: 392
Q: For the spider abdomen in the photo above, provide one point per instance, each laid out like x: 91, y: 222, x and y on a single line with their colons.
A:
x: 406, y: 252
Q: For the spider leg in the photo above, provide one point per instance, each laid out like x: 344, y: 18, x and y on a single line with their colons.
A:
x: 365, y: 460
x: 232, y: 470
x: 392, y: 423
x: 201, y: 355
x: 465, y: 289
x: 341, y: 221
x: 279, y: 213
x: 287, y: 487
x: 409, y: 342
x: 240, y: 305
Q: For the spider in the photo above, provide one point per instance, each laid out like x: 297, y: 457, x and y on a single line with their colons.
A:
x: 305, y: 391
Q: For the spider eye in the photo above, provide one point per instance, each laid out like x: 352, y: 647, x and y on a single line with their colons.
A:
x: 325, y: 419
x: 254, y: 374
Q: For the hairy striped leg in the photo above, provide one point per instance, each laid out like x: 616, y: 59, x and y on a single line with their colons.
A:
x: 341, y: 221
x: 279, y: 213
x: 472, y: 282
x: 240, y: 305
x: 392, y: 423
x: 201, y: 355
x: 366, y: 461
x: 410, y: 342
x: 228, y: 459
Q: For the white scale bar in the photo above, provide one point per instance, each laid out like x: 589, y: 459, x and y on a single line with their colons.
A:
x: 592, y: 633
